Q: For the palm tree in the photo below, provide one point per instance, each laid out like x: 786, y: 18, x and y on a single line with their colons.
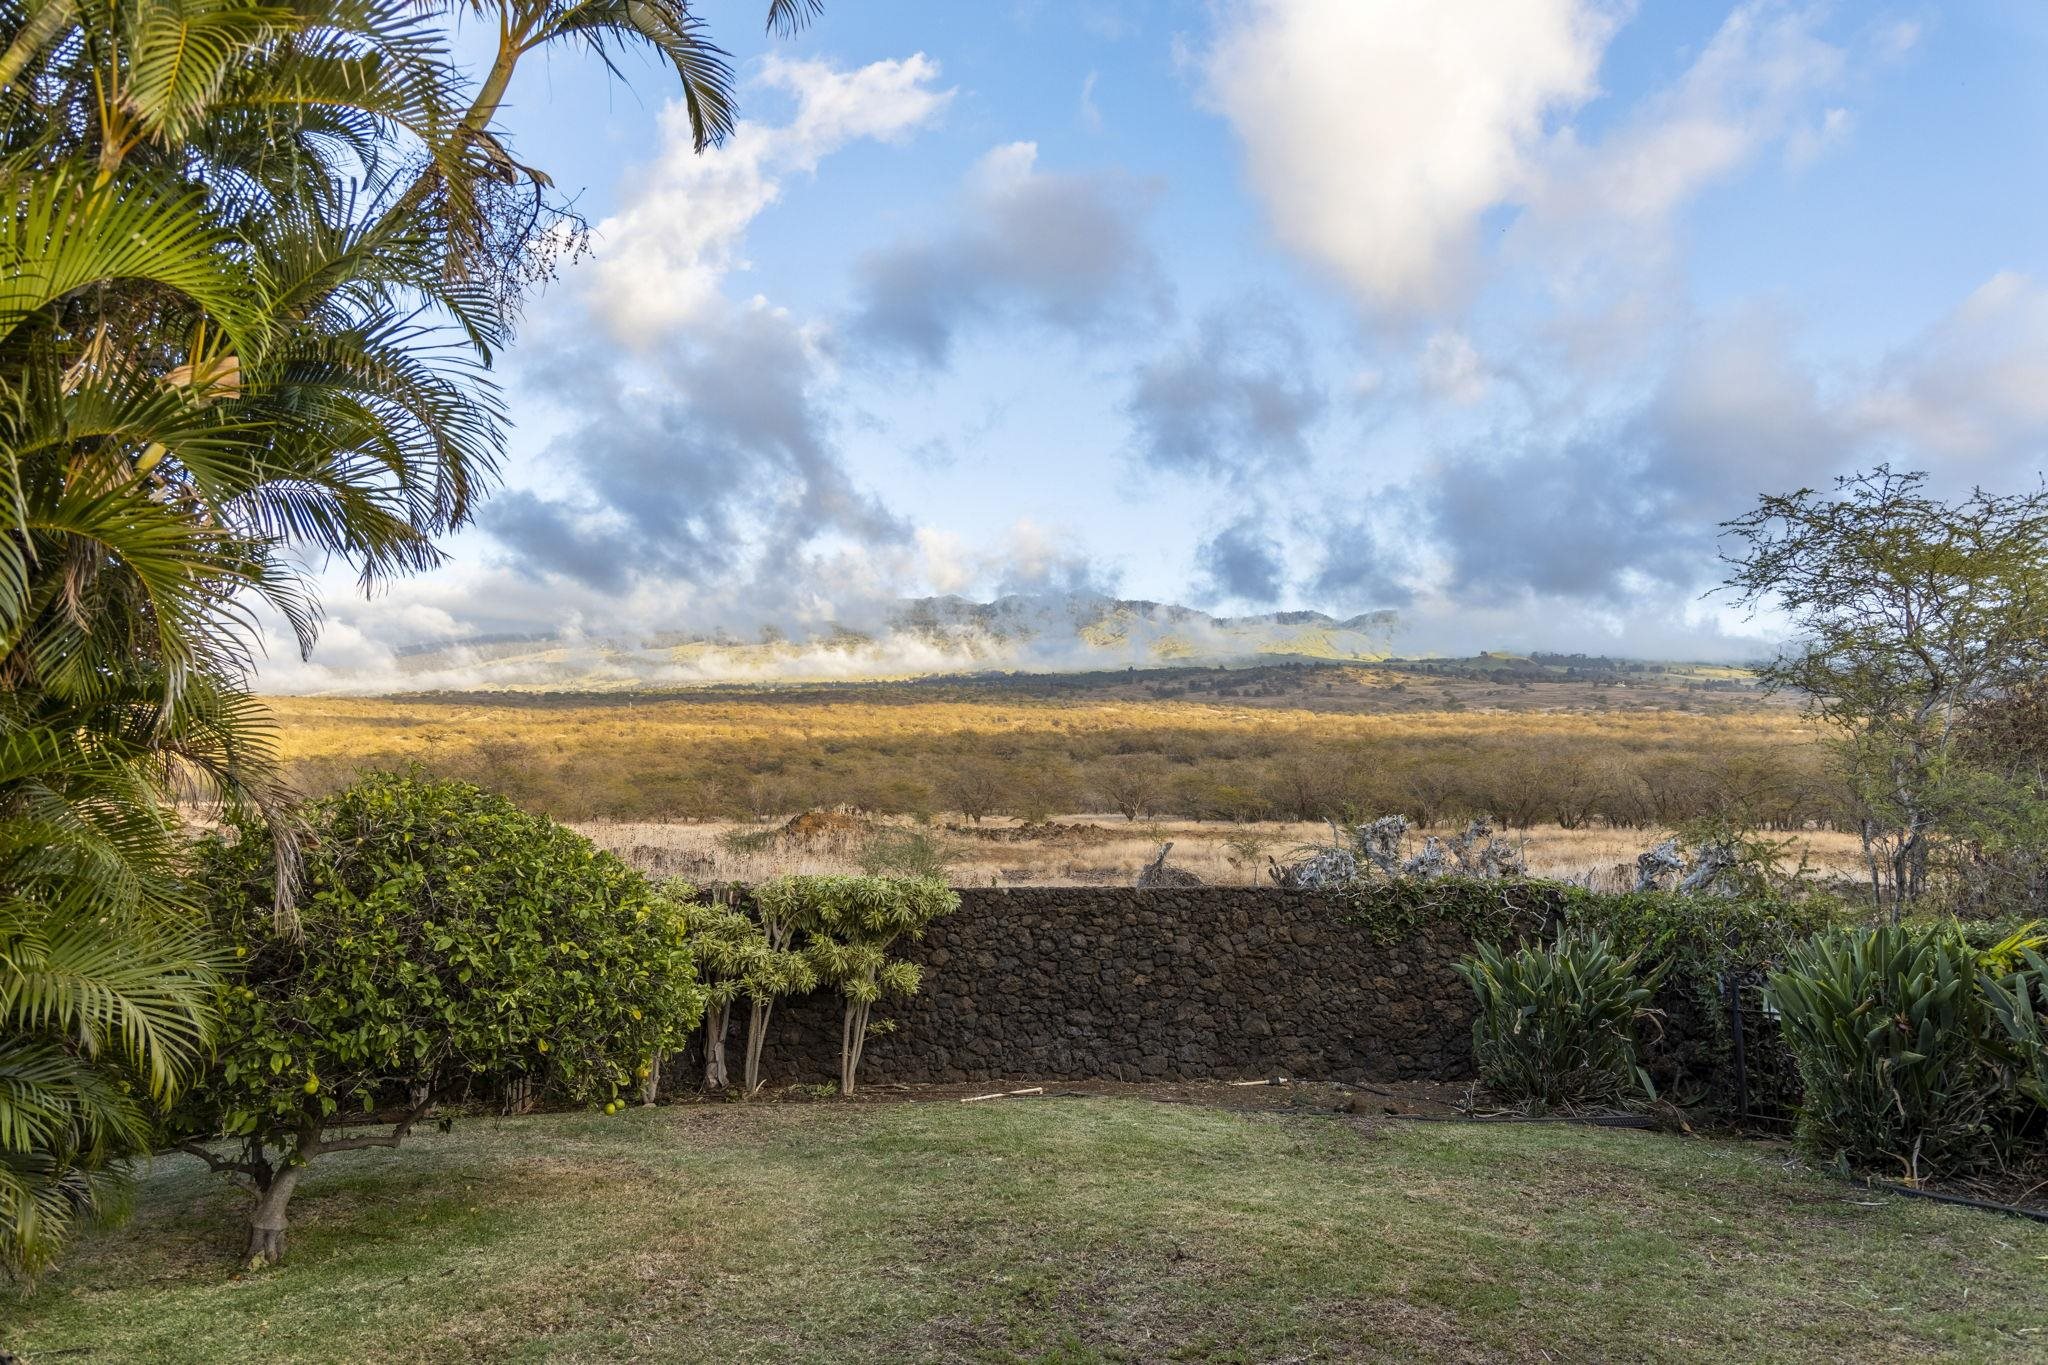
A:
x: 255, y: 259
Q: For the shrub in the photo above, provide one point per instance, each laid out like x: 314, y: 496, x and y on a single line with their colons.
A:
x: 905, y: 853
x: 450, y: 941
x: 1702, y: 943
x: 2018, y: 1002
x: 1888, y: 1028
x: 1556, y: 1024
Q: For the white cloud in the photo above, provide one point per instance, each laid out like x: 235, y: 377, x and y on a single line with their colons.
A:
x: 1452, y: 368
x: 1378, y: 133
x: 1973, y: 387
x: 660, y: 261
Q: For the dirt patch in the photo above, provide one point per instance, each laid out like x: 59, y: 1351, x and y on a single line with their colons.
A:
x: 1431, y: 1098
x: 1051, y: 833
x: 816, y: 826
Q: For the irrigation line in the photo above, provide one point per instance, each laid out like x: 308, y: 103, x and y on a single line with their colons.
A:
x: 2037, y: 1215
x: 1582, y: 1120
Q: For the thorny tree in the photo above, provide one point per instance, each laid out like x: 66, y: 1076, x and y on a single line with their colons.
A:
x: 1912, y: 613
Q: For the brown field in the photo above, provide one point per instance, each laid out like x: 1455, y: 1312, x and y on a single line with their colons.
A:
x: 1093, y: 849
x: 1284, y: 749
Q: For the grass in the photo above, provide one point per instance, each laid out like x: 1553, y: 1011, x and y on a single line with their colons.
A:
x: 1061, y: 1230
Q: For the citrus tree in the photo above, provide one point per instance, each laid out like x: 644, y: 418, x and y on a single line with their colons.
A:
x: 451, y: 943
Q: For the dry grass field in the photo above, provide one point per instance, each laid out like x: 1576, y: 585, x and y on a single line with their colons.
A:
x: 1092, y: 849
x: 1287, y: 744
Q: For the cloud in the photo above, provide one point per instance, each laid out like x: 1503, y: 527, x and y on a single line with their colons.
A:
x: 1452, y: 368
x: 1027, y: 558
x: 1603, y: 216
x: 689, y: 464
x: 661, y: 260
x: 1377, y: 134
x: 1241, y: 562
x: 1235, y: 401
x: 1973, y: 388
x: 1357, y: 568
x: 1057, y: 249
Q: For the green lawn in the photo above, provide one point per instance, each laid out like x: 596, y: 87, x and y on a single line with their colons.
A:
x: 1059, y: 1230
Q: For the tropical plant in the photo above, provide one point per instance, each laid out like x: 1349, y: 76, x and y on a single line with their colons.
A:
x: 726, y: 946
x: 772, y: 967
x: 2018, y: 1002
x: 1888, y: 1027
x: 851, y: 923
x: 1555, y: 1028
x: 451, y: 942
x: 253, y: 260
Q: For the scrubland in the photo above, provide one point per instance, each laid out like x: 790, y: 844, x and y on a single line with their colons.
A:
x: 1297, y: 745
x: 1095, y: 849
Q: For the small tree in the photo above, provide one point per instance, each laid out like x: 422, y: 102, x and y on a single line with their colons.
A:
x: 852, y: 922
x: 723, y: 946
x: 773, y: 969
x: 1912, y: 611
x: 449, y: 940
x: 1131, y: 784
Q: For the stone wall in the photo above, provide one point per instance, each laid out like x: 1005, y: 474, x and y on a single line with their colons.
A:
x: 1072, y: 983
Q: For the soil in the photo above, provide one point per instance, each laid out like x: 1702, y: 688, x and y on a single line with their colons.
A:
x: 1434, y: 1099
x: 815, y: 825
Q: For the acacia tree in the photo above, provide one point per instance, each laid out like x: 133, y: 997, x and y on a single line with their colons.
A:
x: 851, y: 923
x: 450, y: 941
x: 1911, y: 612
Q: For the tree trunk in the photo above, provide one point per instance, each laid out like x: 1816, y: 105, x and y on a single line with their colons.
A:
x: 757, y: 1036
x: 716, y: 1020
x: 853, y: 1036
x: 653, y: 1085
x: 267, y: 1217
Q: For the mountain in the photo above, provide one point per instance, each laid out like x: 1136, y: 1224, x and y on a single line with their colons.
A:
x: 1038, y: 633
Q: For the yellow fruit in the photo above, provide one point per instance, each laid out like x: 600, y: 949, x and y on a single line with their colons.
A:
x: 241, y: 952
x: 644, y: 1072
x: 312, y: 1086
x: 611, y: 1108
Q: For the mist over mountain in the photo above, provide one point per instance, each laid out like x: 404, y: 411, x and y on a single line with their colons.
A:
x: 1048, y: 632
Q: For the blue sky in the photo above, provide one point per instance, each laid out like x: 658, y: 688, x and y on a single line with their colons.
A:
x: 1487, y: 313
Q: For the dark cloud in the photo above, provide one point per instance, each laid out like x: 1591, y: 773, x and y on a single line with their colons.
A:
x: 1062, y: 250
x: 1242, y: 562
x: 1356, y: 571
x: 710, y: 461
x: 1236, y: 401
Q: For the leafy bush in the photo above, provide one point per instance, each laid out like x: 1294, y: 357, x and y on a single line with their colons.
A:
x: 450, y: 941
x: 1556, y: 1024
x: 1702, y: 943
x: 1888, y: 1027
x: 2018, y: 1002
